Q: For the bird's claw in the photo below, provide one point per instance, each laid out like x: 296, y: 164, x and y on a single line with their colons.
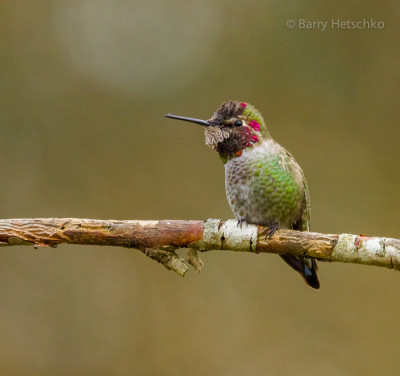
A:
x: 270, y: 230
x: 240, y: 222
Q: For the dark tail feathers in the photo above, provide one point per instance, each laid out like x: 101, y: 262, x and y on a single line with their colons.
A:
x: 306, y: 266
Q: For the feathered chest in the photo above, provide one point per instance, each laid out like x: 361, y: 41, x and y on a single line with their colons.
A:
x: 265, y: 184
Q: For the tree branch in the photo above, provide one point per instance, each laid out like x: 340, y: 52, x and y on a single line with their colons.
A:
x: 159, y: 240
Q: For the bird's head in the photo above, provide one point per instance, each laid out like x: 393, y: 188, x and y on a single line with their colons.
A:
x: 234, y: 127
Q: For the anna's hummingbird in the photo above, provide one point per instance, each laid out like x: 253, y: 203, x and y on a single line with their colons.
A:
x: 264, y: 184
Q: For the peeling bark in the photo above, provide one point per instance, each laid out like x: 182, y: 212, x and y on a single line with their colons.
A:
x: 159, y: 240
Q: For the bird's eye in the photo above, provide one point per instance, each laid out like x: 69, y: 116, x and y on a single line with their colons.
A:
x: 238, y: 123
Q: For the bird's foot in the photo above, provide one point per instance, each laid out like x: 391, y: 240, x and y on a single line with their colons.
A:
x: 240, y: 222
x: 270, y: 230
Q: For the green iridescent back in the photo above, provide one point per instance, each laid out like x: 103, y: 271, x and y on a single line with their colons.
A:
x: 266, y: 186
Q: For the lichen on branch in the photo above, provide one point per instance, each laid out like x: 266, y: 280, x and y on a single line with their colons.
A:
x: 159, y: 240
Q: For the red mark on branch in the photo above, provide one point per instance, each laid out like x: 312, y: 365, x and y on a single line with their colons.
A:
x: 360, y: 238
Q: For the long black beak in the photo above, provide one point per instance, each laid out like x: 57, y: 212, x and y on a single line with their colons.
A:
x: 191, y: 120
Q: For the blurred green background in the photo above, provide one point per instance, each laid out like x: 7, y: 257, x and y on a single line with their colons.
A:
x: 84, y: 85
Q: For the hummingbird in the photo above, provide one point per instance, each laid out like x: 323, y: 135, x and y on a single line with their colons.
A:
x: 264, y: 184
